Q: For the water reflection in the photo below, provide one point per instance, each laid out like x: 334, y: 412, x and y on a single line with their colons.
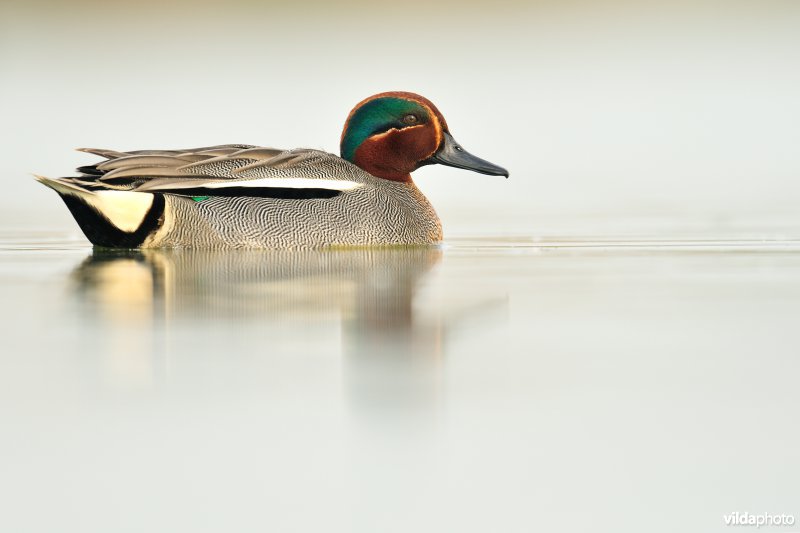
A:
x: 372, y: 289
x: 153, y: 304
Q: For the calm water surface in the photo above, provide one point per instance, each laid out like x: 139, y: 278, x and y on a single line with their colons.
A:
x: 493, y: 384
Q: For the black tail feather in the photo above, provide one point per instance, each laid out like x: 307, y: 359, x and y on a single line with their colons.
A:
x: 90, y: 170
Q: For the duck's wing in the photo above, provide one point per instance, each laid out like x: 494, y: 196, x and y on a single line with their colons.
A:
x: 226, y: 170
x: 121, y: 201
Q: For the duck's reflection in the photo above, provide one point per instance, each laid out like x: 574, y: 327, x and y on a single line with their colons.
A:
x: 372, y: 287
x: 361, y: 301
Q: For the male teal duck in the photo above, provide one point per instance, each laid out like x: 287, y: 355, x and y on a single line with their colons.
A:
x: 243, y: 196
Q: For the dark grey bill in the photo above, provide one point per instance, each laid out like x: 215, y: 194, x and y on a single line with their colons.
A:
x: 452, y: 155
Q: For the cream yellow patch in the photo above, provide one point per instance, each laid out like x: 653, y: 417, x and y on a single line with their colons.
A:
x: 125, y: 210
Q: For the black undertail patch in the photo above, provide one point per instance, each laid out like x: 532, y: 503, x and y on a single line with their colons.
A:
x: 101, y: 232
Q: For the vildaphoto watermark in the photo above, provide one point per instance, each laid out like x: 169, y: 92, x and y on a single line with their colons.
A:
x: 758, y: 520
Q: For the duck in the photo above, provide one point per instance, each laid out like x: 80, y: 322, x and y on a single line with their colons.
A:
x: 249, y: 196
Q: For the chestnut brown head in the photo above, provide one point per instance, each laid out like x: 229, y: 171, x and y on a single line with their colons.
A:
x: 392, y: 134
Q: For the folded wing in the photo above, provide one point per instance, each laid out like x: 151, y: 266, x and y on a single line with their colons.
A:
x: 226, y: 170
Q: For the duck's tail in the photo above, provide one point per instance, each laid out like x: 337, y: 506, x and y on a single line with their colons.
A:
x: 110, y: 218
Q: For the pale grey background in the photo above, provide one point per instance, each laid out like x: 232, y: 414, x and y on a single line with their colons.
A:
x: 684, y: 110
x: 538, y: 373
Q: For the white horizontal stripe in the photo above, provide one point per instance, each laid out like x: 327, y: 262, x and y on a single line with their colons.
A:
x: 289, y: 183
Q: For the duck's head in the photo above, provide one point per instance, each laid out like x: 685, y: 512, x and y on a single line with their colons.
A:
x: 392, y: 134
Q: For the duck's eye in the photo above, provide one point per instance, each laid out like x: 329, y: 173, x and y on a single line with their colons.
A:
x: 410, y: 119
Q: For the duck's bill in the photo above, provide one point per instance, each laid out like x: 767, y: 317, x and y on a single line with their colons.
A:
x: 452, y: 155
